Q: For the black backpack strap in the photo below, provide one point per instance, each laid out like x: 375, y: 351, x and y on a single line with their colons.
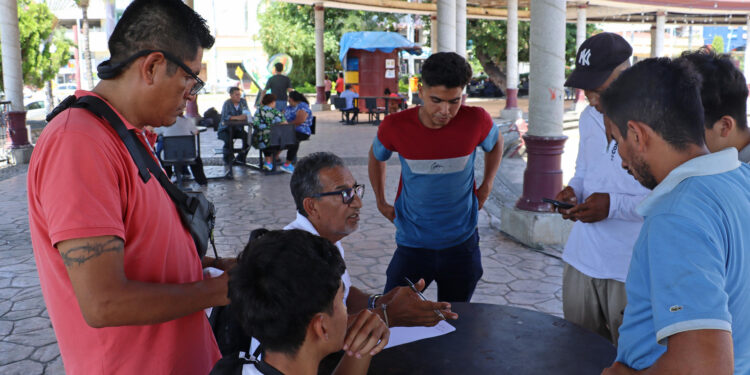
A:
x: 141, y: 156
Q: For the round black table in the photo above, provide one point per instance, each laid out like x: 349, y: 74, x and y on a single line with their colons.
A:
x: 495, y: 339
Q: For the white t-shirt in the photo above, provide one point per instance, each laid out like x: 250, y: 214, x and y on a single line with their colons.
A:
x: 303, y: 223
x: 602, y: 250
x: 250, y: 369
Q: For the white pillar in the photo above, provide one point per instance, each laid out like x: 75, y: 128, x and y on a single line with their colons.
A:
x: 511, y: 110
x: 320, y: 59
x: 747, y: 58
x: 461, y: 27
x: 531, y: 220
x: 11, y: 49
x: 580, y: 100
x: 547, y: 55
x: 433, y: 33
x: 581, y: 26
x: 446, y: 26
x: 109, y: 20
x: 661, y: 17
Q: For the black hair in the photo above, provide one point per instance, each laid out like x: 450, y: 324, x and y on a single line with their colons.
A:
x: 724, y: 91
x: 341, y: 75
x: 347, y: 86
x: 447, y: 69
x: 661, y: 93
x: 268, y: 99
x: 297, y: 97
x: 387, y: 91
x: 233, y: 89
x: 167, y: 25
x: 305, y: 179
x: 281, y: 280
x: 279, y: 67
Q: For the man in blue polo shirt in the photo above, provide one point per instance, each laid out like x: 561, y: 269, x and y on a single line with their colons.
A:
x: 688, y: 299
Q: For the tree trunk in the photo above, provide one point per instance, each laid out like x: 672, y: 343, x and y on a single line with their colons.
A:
x: 11, y: 49
x: 87, y: 71
x: 50, y: 97
x: 493, y: 71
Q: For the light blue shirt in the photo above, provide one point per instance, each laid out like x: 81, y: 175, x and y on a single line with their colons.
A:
x: 691, y: 263
x: 349, y: 95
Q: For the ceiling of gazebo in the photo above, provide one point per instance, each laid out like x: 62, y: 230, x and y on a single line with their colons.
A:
x: 685, y: 12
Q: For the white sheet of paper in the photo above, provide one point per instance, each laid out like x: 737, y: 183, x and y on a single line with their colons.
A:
x: 405, y: 335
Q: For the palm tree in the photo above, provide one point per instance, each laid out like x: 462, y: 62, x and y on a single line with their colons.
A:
x: 84, y: 44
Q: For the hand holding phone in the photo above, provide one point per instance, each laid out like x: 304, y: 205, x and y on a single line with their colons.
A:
x: 558, y: 204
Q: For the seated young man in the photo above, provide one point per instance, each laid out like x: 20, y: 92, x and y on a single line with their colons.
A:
x: 288, y: 293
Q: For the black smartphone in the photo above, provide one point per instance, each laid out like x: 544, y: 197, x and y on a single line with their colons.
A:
x: 559, y: 204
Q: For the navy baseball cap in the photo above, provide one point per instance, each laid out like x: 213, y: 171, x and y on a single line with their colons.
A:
x: 597, y: 57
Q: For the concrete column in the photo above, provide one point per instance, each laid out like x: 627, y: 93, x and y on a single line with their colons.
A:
x: 661, y: 18
x: 320, y: 60
x: 11, y: 49
x: 446, y: 26
x: 544, y: 140
x: 531, y: 221
x: 580, y: 101
x: 109, y: 20
x: 433, y: 33
x: 13, y: 82
x: 461, y: 27
x: 747, y: 58
x: 511, y: 111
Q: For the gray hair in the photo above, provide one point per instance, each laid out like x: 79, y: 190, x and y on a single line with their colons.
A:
x: 306, y: 181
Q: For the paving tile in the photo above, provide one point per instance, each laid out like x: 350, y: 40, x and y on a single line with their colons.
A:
x: 12, y: 352
x: 22, y: 368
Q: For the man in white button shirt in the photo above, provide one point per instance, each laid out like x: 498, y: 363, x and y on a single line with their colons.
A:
x: 328, y: 200
x: 600, y: 245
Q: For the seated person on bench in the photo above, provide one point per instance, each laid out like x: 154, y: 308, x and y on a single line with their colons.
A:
x: 265, y: 117
x: 298, y: 113
x: 350, y: 108
x: 235, y: 108
x: 288, y: 293
x: 183, y: 126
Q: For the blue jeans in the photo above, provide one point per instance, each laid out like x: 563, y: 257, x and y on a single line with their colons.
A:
x: 281, y: 105
x: 456, y: 270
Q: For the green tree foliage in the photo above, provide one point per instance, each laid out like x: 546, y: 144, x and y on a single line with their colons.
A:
x: 290, y: 28
x: 718, y: 44
x: 489, y: 38
x: 44, y: 49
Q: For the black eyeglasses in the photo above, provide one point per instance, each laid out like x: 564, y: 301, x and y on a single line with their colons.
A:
x: 347, y: 195
x: 106, y: 70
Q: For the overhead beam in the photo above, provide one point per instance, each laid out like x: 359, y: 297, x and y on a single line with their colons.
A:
x: 399, y: 6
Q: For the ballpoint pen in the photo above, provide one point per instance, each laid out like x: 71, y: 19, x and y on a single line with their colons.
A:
x: 411, y: 285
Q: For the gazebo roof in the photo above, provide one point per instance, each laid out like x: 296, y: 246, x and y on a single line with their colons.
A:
x: 686, y: 12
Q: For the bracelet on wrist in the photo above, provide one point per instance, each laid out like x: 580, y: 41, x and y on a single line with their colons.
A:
x: 385, y: 314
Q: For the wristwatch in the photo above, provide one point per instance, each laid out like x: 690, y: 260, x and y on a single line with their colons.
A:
x: 372, y: 300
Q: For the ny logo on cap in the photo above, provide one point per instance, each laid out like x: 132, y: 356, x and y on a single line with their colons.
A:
x: 583, y: 58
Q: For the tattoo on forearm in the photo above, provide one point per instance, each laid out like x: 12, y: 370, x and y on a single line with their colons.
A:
x: 81, y: 254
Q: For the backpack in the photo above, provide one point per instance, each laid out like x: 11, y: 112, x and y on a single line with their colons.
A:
x: 211, y: 118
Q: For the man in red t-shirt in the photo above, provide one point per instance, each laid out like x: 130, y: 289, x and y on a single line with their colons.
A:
x: 120, y: 275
